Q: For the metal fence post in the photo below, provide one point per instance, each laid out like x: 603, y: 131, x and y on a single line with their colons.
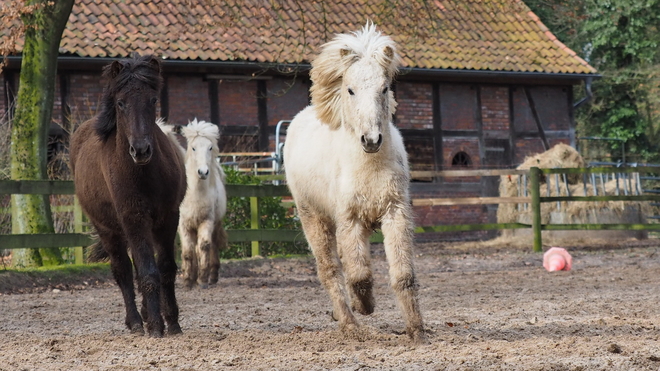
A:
x: 534, y: 175
x: 254, y: 223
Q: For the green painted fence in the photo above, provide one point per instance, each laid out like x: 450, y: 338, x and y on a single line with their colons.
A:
x: 255, y: 235
x: 78, y: 239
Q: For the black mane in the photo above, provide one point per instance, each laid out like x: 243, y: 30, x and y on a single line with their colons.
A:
x: 146, y: 69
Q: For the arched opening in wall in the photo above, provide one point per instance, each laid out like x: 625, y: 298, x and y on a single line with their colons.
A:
x: 461, y: 159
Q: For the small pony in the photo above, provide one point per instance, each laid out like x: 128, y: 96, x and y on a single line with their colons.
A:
x: 347, y: 169
x: 205, y: 204
x: 130, y: 181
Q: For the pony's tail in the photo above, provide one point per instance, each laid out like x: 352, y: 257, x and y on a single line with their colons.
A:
x: 95, y: 252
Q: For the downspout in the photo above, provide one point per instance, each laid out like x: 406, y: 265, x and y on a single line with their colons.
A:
x: 587, y: 91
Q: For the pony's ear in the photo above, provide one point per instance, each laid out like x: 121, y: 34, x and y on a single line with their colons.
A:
x: 154, y: 63
x: 389, y: 52
x: 115, y: 68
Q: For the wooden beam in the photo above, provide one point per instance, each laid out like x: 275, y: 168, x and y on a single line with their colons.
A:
x: 537, y: 118
x: 437, y: 127
x: 262, y: 114
x: 470, y: 201
x: 467, y: 173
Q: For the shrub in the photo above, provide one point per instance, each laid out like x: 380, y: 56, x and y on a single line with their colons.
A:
x: 272, y: 215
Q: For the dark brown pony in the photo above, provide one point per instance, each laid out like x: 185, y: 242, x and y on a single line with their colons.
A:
x: 130, y: 181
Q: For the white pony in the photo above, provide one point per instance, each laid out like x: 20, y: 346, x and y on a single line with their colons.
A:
x: 204, y: 206
x: 347, y: 169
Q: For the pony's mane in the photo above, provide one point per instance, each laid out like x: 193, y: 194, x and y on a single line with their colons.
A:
x: 118, y: 74
x: 337, y: 56
x: 204, y: 129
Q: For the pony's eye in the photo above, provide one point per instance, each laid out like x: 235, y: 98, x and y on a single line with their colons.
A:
x: 120, y: 104
x: 210, y: 148
x: 193, y: 148
x: 350, y: 91
x: 385, y: 90
x: 154, y: 101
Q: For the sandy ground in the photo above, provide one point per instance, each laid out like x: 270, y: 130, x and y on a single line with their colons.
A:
x: 486, y: 308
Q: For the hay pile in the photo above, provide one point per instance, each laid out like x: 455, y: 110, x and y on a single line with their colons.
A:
x: 564, y: 156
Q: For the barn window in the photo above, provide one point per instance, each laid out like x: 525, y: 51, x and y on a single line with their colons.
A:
x: 461, y: 159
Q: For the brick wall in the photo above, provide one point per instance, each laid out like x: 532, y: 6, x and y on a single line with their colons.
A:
x: 495, y: 107
x: 552, y: 106
x: 458, y: 106
x: 85, y: 91
x: 525, y: 147
x: 415, y: 109
x: 188, y: 97
x: 452, y: 145
x: 286, y: 97
x: 237, y: 102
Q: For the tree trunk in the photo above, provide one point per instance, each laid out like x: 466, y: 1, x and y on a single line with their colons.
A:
x: 34, y: 106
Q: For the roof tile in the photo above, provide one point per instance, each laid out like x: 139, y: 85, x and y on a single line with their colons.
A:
x: 497, y: 35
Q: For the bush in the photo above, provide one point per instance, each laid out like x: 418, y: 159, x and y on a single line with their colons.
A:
x: 272, y: 215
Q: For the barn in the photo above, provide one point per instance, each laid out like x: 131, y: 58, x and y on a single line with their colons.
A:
x: 483, y: 83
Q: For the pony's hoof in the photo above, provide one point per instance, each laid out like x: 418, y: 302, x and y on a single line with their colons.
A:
x: 203, y: 286
x: 189, y: 284
x: 137, y: 329
x: 174, y: 329
x: 156, y: 330
x: 418, y: 337
x: 333, y: 316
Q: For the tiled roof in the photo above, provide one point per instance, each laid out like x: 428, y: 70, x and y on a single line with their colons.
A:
x: 488, y: 35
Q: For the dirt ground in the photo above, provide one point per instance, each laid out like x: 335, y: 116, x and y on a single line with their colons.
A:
x: 486, y: 306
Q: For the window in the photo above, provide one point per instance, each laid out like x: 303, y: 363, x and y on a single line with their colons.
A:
x: 461, y: 159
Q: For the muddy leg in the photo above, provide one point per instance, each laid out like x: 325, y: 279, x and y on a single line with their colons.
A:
x: 320, y: 234
x: 188, y: 256
x: 219, y: 243
x: 203, y: 251
x: 398, y: 231
x: 353, y: 244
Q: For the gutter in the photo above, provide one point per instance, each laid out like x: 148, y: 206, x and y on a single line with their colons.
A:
x: 198, y: 66
x: 587, y: 90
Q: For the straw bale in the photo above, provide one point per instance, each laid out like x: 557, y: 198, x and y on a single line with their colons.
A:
x: 563, y: 156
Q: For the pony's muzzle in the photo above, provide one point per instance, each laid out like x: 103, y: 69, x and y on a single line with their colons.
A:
x: 371, y: 146
x: 203, y: 173
x: 141, y: 154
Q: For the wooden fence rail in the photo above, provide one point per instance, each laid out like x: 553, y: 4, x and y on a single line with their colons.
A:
x: 255, y: 235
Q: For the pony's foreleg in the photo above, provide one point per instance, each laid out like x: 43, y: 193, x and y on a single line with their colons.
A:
x: 353, y: 245
x: 167, y: 267
x: 203, y: 250
x: 148, y: 274
x: 398, y: 231
x: 188, y: 256
x: 320, y: 234
x: 122, y: 270
x: 220, y: 241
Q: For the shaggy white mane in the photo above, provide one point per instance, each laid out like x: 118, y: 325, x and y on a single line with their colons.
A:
x: 337, y: 56
x: 201, y: 128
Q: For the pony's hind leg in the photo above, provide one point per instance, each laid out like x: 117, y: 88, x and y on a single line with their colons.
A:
x: 398, y: 232
x: 122, y: 270
x: 320, y: 234
x: 219, y: 242
x: 188, y: 256
x: 204, y: 253
x: 353, y: 244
